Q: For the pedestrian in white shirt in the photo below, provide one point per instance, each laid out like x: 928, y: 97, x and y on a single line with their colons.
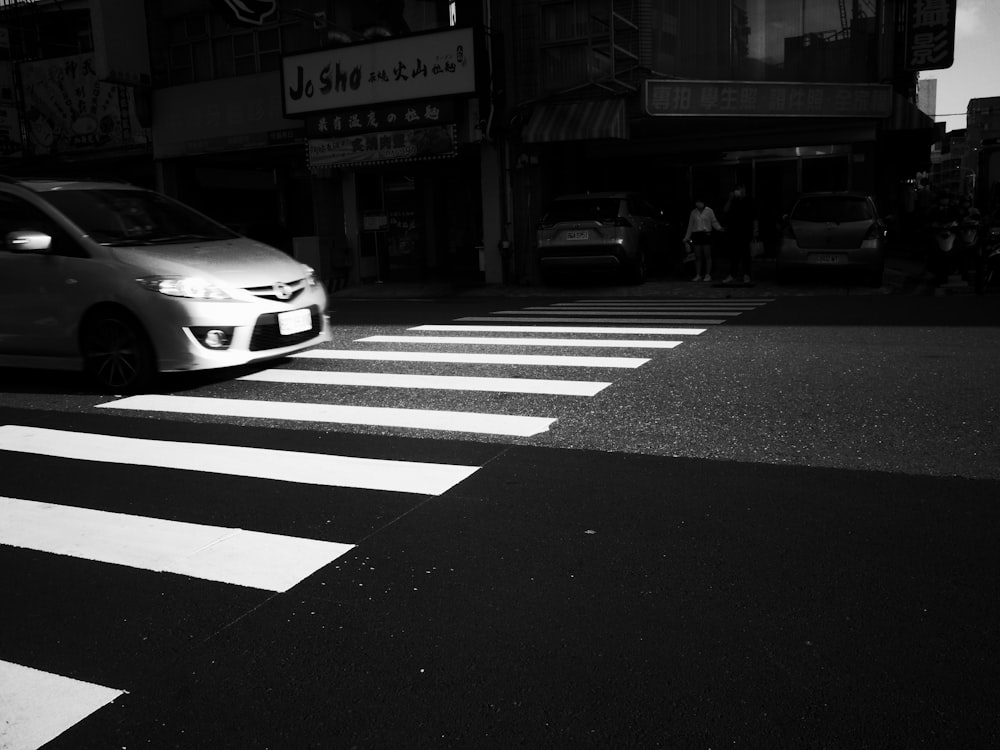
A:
x: 701, y: 224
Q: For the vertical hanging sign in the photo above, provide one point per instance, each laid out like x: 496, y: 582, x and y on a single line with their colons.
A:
x: 930, y: 34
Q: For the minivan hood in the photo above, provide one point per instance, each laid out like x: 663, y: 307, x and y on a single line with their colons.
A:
x: 238, y: 262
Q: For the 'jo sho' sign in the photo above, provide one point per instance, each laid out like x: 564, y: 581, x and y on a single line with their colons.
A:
x: 414, y: 67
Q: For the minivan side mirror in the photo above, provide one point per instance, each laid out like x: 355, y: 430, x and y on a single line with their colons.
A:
x: 28, y: 241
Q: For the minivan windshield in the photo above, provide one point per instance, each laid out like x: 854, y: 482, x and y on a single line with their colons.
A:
x: 134, y: 217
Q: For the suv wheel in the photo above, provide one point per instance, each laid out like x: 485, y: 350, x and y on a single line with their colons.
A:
x: 636, y: 272
x: 117, y: 354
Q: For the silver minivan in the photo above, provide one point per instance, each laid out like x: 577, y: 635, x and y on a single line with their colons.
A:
x: 125, y: 283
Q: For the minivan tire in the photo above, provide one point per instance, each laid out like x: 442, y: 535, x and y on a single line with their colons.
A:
x: 117, y: 354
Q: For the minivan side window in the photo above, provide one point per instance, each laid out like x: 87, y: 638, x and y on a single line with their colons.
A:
x: 17, y: 214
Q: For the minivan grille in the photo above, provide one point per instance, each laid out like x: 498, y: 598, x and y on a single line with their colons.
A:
x: 273, y: 292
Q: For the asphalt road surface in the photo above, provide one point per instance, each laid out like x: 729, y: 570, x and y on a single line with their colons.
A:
x: 703, y: 524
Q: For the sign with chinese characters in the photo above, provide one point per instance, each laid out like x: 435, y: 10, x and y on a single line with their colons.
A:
x: 930, y: 34
x: 70, y: 110
x: 755, y: 99
x: 419, y: 143
x: 385, y: 117
x: 423, y: 66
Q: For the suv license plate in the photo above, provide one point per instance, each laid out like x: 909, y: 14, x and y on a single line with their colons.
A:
x: 294, y: 321
x: 584, y: 235
x: 829, y: 258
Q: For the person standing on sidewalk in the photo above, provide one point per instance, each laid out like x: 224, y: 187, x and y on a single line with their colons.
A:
x: 741, y: 230
x: 701, y: 223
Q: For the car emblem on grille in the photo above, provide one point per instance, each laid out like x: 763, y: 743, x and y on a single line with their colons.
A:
x: 282, y: 291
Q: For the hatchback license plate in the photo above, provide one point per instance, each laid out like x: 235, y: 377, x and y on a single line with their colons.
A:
x: 294, y: 321
x: 584, y: 235
x: 829, y: 258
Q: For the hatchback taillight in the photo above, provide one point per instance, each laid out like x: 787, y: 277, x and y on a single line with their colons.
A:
x: 872, y: 237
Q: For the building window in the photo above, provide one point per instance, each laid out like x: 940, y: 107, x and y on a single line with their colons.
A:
x: 767, y: 40
x: 203, y: 48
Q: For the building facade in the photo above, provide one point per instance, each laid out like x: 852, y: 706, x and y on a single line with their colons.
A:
x: 685, y: 99
x: 384, y: 140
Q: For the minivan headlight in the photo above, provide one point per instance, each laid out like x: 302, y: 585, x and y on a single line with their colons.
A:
x: 191, y: 287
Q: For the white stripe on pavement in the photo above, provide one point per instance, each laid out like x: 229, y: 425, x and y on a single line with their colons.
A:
x: 423, y: 419
x: 36, y: 707
x: 596, y: 310
x: 661, y: 321
x: 269, y: 562
x: 563, y: 329
x: 442, y: 382
x: 522, y: 341
x: 261, y: 463
x: 705, y: 301
x: 538, y: 360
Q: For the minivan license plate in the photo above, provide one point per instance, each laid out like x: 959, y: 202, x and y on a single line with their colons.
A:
x: 294, y: 321
x: 584, y: 235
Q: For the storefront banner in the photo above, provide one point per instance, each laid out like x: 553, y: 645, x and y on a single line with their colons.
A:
x: 930, y: 34
x: 385, y: 117
x: 409, y: 68
x: 754, y: 99
x: 419, y: 143
x: 70, y: 110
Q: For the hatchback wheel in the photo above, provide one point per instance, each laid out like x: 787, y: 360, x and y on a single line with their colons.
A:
x: 117, y: 354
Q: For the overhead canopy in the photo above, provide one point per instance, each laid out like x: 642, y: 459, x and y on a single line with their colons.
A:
x: 583, y: 120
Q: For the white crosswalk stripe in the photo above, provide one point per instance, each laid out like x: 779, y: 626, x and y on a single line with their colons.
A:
x: 36, y: 707
x: 261, y: 463
x: 532, y: 360
x: 243, y: 558
x: 443, y: 382
x: 523, y: 341
x: 595, y: 319
x: 425, y: 419
x: 562, y: 329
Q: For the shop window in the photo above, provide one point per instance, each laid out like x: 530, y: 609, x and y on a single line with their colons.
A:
x: 204, y: 48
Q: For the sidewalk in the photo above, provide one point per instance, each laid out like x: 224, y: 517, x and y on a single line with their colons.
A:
x: 902, y: 276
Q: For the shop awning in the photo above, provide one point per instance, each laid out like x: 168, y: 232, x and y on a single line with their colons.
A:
x: 576, y: 121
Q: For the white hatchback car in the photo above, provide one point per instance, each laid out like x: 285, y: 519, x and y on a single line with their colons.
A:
x: 125, y: 283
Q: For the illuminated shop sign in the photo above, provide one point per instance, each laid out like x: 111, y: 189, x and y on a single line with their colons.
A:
x: 414, y: 67
x: 930, y: 34
x: 753, y: 99
x: 385, y: 117
x: 419, y: 143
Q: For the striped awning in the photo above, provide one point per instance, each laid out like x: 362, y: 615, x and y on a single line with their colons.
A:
x: 584, y: 120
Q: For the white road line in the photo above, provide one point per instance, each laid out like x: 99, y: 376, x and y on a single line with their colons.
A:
x: 269, y: 562
x: 36, y: 707
x: 422, y: 419
x: 661, y: 321
x: 261, y: 463
x: 442, y: 382
x: 522, y: 341
x: 563, y: 329
x: 705, y: 301
x: 535, y: 360
x: 598, y: 310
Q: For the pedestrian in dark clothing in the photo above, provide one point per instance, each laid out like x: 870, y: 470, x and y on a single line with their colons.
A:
x: 741, y: 230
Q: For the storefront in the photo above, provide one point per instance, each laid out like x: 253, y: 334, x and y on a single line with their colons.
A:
x: 392, y: 135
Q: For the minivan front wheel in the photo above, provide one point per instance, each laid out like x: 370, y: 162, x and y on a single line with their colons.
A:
x: 117, y: 354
